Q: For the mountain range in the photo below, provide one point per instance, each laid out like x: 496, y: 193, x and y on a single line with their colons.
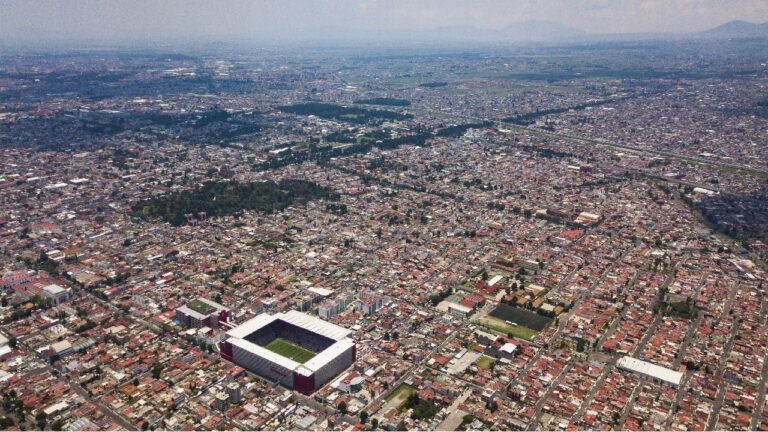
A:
x: 549, y: 31
x: 738, y: 29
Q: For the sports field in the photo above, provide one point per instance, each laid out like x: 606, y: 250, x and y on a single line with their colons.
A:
x: 522, y: 317
x: 290, y: 350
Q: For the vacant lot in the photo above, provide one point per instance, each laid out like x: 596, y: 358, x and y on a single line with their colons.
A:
x: 401, y: 394
x: 485, y: 362
x: 290, y: 350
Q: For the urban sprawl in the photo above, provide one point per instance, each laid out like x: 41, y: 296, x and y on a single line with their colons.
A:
x: 299, y: 240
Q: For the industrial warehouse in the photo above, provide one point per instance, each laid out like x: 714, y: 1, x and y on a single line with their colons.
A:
x: 297, y: 350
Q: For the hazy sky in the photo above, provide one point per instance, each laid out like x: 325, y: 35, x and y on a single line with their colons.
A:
x: 299, y: 20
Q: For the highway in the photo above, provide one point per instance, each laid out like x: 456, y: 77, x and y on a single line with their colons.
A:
x: 748, y: 170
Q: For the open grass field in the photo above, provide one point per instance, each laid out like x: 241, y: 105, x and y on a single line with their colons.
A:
x: 402, y: 393
x: 502, y: 327
x: 485, y: 362
x: 290, y: 350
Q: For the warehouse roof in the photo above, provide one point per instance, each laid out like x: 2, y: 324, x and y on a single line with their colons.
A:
x: 650, y: 369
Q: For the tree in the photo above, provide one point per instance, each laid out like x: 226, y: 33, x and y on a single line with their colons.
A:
x: 493, y: 405
x: 41, y: 419
x: 374, y: 423
x: 364, y: 417
x: 157, y: 369
x: 413, y: 400
x: 342, y: 407
x: 57, y: 425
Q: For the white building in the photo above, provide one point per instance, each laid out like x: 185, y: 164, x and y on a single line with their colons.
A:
x: 369, y: 304
x: 56, y: 293
x: 650, y: 370
x: 458, y: 309
x: 234, y: 391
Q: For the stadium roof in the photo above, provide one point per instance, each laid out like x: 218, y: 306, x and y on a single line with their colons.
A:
x: 650, y: 369
x: 265, y: 353
x: 313, y: 324
x: 316, y: 325
x: 251, y: 325
x: 328, y: 354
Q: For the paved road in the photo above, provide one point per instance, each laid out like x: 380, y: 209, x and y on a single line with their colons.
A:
x: 408, y: 373
x: 611, y: 363
x: 456, y: 416
x: 115, y: 417
x: 683, y: 388
x: 560, y: 329
x: 538, y: 408
x: 715, y: 414
x: 760, y: 401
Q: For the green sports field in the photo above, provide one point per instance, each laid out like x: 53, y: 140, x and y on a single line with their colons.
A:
x: 290, y: 350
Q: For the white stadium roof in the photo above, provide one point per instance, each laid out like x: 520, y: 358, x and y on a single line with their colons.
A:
x: 251, y: 325
x: 328, y: 354
x: 316, y: 325
x: 313, y: 324
x: 265, y: 353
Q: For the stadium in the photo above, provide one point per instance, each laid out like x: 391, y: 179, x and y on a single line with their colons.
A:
x: 299, y: 351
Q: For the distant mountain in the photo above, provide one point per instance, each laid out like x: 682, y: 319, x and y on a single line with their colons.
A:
x: 738, y: 29
x: 519, y: 32
x: 549, y: 31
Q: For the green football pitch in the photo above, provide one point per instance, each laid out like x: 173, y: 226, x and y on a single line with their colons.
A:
x: 290, y: 350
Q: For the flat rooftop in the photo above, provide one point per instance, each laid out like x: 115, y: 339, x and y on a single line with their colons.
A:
x: 654, y: 371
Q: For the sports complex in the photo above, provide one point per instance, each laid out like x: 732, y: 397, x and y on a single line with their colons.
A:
x: 297, y: 350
